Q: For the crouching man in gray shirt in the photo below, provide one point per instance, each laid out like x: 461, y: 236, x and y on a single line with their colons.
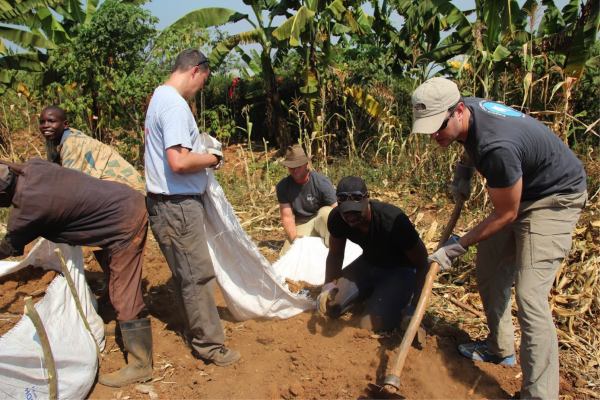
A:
x: 305, y: 199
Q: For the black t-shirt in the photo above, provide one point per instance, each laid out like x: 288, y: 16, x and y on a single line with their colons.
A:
x: 389, y: 236
x: 67, y: 206
x: 505, y: 145
x: 307, y: 199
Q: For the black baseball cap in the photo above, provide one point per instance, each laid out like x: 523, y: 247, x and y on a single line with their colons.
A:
x: 351, y: 184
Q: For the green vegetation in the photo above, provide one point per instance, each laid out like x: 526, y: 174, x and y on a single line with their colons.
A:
x: 329, y: 77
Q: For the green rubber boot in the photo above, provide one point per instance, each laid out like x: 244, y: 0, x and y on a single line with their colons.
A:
x: 137, y: 340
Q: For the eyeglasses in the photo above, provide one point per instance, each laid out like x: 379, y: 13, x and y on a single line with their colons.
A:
x: 205, y: 61
x: 445, y: 122
x: 354, y: 196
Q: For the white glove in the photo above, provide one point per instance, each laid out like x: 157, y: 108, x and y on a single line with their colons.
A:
x: 218, y: 154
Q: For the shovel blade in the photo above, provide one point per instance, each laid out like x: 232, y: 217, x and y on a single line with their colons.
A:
x: 380, y: 392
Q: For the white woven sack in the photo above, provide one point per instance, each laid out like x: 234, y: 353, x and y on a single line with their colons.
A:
x: 23, y: 373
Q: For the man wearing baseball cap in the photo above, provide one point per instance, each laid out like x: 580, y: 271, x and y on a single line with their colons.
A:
x: 392, y: 267
x: 538, y: 189
x: 305, y: 199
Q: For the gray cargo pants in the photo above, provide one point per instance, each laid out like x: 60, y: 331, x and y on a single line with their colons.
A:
x: 528, y: 253
x: 178, y: 226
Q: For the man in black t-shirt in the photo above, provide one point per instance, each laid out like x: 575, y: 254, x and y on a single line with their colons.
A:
x: 385, y: 272
x: 538, y: 189
x: 305, y: 199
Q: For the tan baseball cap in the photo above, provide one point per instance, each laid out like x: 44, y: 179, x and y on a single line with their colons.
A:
x: 430, y: 102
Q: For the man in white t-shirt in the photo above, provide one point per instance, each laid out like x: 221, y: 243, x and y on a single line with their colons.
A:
x: 176, y: 177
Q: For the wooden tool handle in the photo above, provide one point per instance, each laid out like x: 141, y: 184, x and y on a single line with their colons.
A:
x: 415, y: 322
x: 45, y: 343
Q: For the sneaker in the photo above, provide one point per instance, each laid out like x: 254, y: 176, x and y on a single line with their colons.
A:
x: 225, y: 357
x: 478, y: 351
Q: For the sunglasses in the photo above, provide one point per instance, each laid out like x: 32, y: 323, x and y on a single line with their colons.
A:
x: 445, y: 122
x: 354, y: 196
x: 205, y: 61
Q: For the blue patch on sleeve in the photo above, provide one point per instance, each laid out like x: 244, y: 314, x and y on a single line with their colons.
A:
x: 501, y: 109
x: 90, y: 159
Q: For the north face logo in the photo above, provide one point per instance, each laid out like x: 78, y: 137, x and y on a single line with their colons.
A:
x: 420, y: 107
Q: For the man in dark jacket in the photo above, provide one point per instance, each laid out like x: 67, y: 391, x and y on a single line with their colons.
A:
x: 68, y: 206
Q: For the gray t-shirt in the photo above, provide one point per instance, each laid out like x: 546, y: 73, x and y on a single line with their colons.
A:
x: 169, y: 122
x: 308, y: 198
x: 505, y: 145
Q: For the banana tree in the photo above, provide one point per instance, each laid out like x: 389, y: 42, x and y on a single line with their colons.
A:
x: 261, y: 34
x: 33, y: 26
x: 310, y: 30
x: 421, y: 34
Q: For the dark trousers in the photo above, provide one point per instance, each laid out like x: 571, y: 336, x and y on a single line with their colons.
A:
x: 122, y: 264
x: 178, y: 226
x: 389, y: 290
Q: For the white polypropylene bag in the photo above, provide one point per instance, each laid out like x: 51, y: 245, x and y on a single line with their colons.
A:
x: 23, y: 373
x: 251, y: 287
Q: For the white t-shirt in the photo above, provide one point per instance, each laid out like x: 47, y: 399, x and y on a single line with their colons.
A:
x: 169, y: 122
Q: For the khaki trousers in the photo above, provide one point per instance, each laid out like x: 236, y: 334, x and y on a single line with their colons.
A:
x: 178, y: 226
x: 316, y: 227
x: 528, y: 253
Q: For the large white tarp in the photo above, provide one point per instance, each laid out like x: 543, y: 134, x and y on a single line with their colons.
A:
x: 23, y: 373
x: 251, y: 286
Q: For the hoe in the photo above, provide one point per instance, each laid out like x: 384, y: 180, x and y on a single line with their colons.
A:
x: 391, y: 385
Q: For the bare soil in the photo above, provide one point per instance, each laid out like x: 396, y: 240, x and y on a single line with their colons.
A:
x: 302, y: 357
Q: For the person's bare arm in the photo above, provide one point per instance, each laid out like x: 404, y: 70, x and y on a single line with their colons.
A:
x: 182, y: 160
x: 418, y: 257
x: 506, y: 203
x: 335, y: 259
x: 287, y: 219
x: 16, y: 168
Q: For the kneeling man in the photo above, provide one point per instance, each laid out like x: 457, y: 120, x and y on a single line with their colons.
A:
x: 390, y: 272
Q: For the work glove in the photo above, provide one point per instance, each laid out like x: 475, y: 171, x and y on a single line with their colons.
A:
x: 462, y: 181
x: 328, y: 293
x: 407, y: 313
x: 219, y: 155
x: 444, y: 255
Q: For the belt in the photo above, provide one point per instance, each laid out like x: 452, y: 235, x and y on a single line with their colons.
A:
x: 167, y: 197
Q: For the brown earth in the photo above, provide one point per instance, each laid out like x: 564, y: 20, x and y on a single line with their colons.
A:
x: 302, y: 357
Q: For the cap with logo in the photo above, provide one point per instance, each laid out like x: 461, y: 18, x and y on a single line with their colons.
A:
x: 430, y: 102
x: 351, y: 184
